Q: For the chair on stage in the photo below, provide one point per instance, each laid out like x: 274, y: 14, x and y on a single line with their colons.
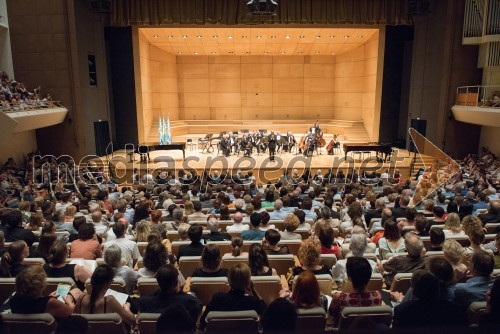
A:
x: 190, y: 144
x: 205, y: 143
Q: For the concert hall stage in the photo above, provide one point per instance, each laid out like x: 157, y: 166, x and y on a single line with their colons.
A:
x: 262, y: 169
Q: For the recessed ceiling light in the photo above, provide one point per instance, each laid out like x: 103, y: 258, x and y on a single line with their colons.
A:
x: 195, y: 52
x: 300, y: 52
x: 287, y: 37
x: 170, y: 36
x: 318, y: 36
x: 199, y: 36
x: 213, y: 52
x: 317, y: 52
x: 346, y: 36
x: 155, y: 36
x: 333, y: 53
x: 215, y: 36
x: 244, y: 36
x: 229, y: 36
x: 360, y: 36
x: 259, y: 37
x: 184, y: 36
x: 302, y: 36
x: 248, y: 52
x: 231, y: 51
x: 282, y: 52
x: 179, y: 53
x: 273, y: 36
x: 265, y: 52
x: 332, y: 36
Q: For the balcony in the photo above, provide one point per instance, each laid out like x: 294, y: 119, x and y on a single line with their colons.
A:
x: 478, y: 105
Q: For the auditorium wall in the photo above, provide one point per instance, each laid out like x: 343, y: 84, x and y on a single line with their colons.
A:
x: 261, y: 87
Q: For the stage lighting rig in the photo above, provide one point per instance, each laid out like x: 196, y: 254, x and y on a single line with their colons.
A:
x: 262, y: 7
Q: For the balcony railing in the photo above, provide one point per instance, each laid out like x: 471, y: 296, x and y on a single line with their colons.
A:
x: 478, y: 96
x: 27, y: 106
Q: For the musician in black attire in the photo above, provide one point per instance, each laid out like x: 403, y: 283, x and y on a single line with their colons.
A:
x: 246, y: 144
x: 256, y: 141
x: 272, y: 145
x: 310, y: 144
x: 314, y: 129
x: 225, y: 145
x: 289, y: 142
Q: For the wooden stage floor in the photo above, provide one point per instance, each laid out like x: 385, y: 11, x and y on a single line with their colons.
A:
x: 260, y: 165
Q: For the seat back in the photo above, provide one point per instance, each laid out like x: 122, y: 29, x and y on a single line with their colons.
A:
x: 173, y: 236
x: 495, y: 274
x: 325, y: 282
x: 187, y: 264
x: 224, y: 246
x: 492, y: 227
x: 142, y: 247
x: 109, y: 323
x: 233, y: 321
x: 311, y: 319
x: 375, y: 283
x: 434, y: 253
x: 206, y: 287
x: 147, y: 286
x: 305, y: 233
x: 365, y: 317
x: 293, y: 245
x: 229, y: 261
x: 281, y: 263
x: 52, y: 284
x: 401, y: 282
x: 26, y: 323
x: 176, y: 245
x: 147, y: 322
x: 328, y: 260
x: 475, y: 311
x: 268, y: 287
x: 29, y: 261
x: 7, y: 288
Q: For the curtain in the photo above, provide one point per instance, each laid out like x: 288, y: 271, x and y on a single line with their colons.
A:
x: 234, y: 12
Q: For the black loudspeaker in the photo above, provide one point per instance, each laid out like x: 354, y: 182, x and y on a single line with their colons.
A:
x: 101, y: 135
x: 421, y: 126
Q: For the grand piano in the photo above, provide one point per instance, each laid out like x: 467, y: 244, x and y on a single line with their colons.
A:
x: 368, y: 147
x: 144, y: 149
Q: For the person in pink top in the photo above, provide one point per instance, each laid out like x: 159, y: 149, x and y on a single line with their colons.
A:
x: 86, y: 246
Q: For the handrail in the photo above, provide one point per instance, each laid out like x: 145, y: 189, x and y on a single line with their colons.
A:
x: 478, y: 96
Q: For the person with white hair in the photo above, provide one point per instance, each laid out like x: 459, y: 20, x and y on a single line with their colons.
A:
x: 357, y: 246
x: 238, y: 226
x: 215, y: 233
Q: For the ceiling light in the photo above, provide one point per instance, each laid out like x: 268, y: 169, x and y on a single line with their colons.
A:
x: 248, y: 52
x: 346, y: 36
x: 155, y: 36
x: 287, y: 37
x: 282, y: 52
x: 199, y: 36
x: 259, y: 37
x: 184, y: 36
x: 170, y: 36
x: 244, y: 36
x: 333, y: 53
x: 302, y: 36
x: 300, y: 52
x: 195, y: 52
x: 265, y: 52
x: 317, y: 52
x: 179, y: 53
x: 332, y: 36
x: 231, y: 51
x: 273, y: 36
x: 318, y: 36
x: 360, y: 36
x: 215, y: 36
x: 213, y: 52
x: 229, y: 36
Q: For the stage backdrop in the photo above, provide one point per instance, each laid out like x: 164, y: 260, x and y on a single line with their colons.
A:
x: 341, y: 87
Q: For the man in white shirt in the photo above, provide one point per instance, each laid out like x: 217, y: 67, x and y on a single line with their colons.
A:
x: 197, y: 215
x: 64, y: 203
x: 237, y: 226
x: 130, y: 251
x: 100, y: 227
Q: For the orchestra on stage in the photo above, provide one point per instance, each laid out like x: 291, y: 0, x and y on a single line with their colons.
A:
x: 260, y: 141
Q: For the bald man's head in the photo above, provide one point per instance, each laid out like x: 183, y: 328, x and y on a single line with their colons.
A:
x: 238, y: 217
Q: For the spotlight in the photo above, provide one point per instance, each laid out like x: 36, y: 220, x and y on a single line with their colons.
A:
x: 262, y: 7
